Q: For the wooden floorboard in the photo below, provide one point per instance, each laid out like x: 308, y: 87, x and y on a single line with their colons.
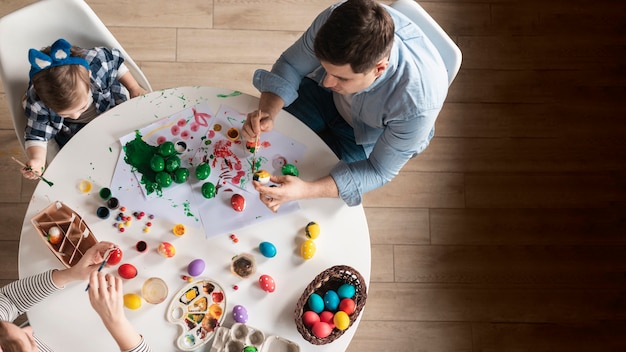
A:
x: 509, y: 232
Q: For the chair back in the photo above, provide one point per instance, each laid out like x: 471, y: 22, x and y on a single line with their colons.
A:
x: 39, y: 25
x: 449, y: 51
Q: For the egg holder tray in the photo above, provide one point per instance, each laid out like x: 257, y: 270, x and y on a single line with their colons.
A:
x: 77, y: 237
x: 199, y: 310
x: 331, y: 279
x: 240, y: 336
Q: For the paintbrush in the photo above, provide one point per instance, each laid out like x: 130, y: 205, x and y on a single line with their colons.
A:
x: 28, y: 168
x: 256, y: 145
x: 106, y: 257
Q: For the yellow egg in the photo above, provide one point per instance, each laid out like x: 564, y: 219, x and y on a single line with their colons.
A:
x: 312, y: 230
x: 341, y: 320
x: 132, y: 301
x: 307, y: 251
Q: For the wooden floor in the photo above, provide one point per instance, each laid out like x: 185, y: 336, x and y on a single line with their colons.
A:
x: 509, y: 232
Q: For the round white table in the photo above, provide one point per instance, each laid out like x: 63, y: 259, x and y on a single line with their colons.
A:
x: 66, y: 321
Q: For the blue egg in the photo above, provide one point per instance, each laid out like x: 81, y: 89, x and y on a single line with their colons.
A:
x: 346, y: 291
x: 267, y: 249
x: 331, y: 300
x: 316, y: 303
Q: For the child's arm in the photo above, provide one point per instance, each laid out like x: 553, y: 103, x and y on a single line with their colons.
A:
x: 131, y: 84
x: 36, y: 162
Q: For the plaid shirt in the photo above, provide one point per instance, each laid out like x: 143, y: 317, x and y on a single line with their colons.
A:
x: 43, y: 123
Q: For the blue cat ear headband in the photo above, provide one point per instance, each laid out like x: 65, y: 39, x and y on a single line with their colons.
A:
x: 59, y: 56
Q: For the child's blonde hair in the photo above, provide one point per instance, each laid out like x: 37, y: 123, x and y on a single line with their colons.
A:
x: 59, y: 87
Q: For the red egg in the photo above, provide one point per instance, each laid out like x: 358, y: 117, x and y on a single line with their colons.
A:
x: 327, y: 317
x: 309, y: 318
x: 238, y: 202
x: 267, y: 283
x: 347, y: 305
x: 115, y: 257
x: 127, y: 271
x: 321, y: 330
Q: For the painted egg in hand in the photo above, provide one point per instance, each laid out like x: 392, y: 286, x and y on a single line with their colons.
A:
x: 261, y: 176
x: 115, y: 256
x: 240, y: 314
x: 238, y: 202
x: 196, y: 267
x: 267, y: 249
x: 267, y: 283
x: 127, y: 271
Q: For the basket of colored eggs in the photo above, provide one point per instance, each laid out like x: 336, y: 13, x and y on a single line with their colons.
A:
x: 330, y: 304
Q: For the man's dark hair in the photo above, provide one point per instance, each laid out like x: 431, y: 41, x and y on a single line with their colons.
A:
x: 358, y: 32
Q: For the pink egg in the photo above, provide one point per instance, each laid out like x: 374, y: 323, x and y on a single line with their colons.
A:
x: 267, y: 283
x: 321, y: 330
x: 347, y: 305
x: 309, y: 318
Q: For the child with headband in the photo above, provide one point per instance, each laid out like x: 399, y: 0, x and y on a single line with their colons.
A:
x: 68, y: 88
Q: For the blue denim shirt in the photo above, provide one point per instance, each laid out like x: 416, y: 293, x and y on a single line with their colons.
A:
x: 393, y: 118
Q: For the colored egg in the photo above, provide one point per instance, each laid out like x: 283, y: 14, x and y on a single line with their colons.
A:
x: 290, y: 169
x: 327, y: 317
x: 208, y: 190
x: 54, y: 235
x: 167, y: 148
x: 331, y: 300
x: 132, y: 301
x: 315, y: 303
x: 172, y: 163
x: 181, y: 175
x: 267, y: 283
x: 346, y: 291
x: 309, y: 318
x: 166, y: 249
x: 196, y: 267
x: 127, y: 271
x: 238, y: 202
x: 321, y: 330
x: 341, y: 320
x: 312, y: 230
x: 252, y: 145
x: 203, y: 171
x: 115, y: 256
x: 157, y: 163
x: 249, y: 349
x: 240, y: 314
x: 163, y: 179
x: 261, y: 176
x: 267, y: 249
x: 347, y: 305
x: 307, y: 250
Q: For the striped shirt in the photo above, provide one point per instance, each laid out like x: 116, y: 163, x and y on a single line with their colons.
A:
x: 17, y: 297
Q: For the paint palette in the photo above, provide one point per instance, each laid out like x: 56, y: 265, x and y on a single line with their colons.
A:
x: 199, y: 309
x: 64, y: 232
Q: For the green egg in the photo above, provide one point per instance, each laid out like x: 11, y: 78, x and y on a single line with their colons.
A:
x: 203, y: 171
x: 163, y: 179
x: 172, y: 163
x: 181, y: 175
x: 167, y: 148
x: 157, y: 163
x: 208, y: 190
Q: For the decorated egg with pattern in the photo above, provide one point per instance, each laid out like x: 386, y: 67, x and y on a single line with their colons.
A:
x: 267, y: 283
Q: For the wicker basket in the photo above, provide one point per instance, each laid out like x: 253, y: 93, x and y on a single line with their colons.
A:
x: 331, y: 279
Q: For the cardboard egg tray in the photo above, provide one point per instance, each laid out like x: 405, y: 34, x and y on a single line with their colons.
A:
x: 77, y: 237
x: 240, y: 336
x: 199, y: 309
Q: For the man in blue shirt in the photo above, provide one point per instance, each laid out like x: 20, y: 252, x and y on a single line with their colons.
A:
x: 367, y: 80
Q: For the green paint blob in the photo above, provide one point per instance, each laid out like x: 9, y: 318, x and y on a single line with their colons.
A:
x: 138, y: 155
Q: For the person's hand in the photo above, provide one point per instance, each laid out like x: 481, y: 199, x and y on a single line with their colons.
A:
x: 90, y: 261
x: 137, y: 91
x: 106, y: 296
x: 287, y: 188
x: 256, y: 124
x: 34, y: 168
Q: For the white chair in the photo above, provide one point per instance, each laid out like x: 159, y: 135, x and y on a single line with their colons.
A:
x: 39, y: 25
x: 449, y: 51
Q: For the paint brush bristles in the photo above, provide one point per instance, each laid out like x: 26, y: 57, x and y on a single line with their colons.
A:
x: 30, y: 169
x: 256, y: 146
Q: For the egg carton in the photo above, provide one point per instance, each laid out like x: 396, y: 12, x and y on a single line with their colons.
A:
x: 240, y: 336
